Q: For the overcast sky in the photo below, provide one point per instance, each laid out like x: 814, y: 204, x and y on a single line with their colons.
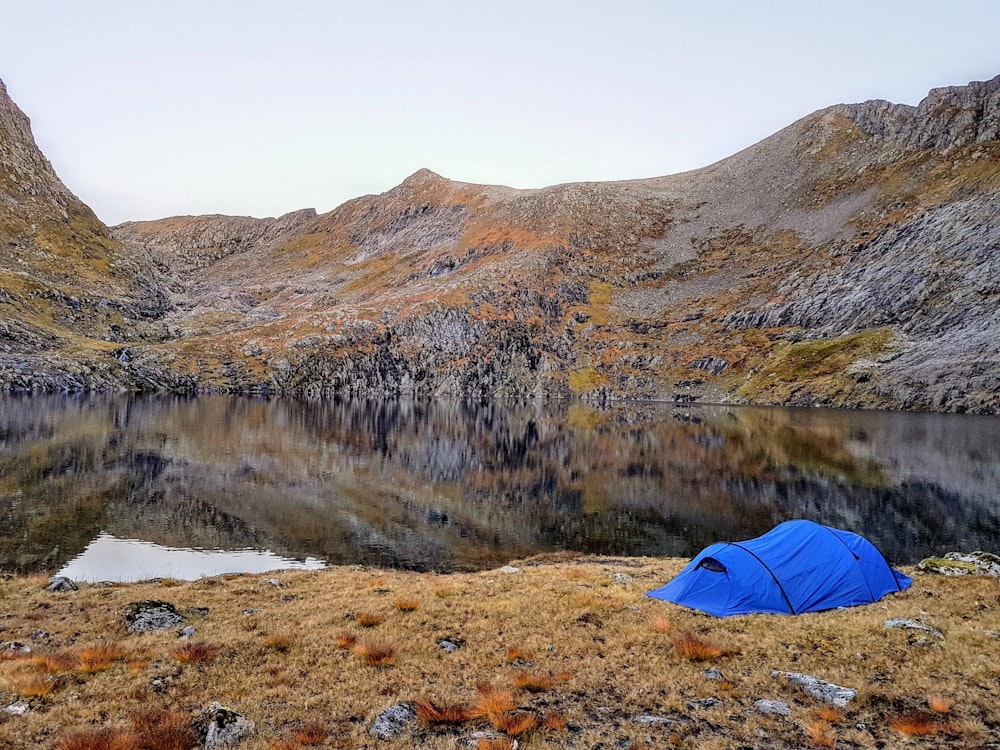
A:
x: 150, y: 109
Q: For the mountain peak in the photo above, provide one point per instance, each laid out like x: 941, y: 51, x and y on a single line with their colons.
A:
x: 422, y: 177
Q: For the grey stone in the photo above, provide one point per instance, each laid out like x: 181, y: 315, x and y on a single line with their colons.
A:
x: 225, y: 727
x: 648, y: 719
x: 252, y: 611
x: 39, y: 635
x: 187, y: 632
x: 962, y: 563
x: 713, y: 674
x: 772, y: 707
x: 448, y: 646
x: 15, y: 647
x: 509, y: 569
x: 391, y: 722
x: 151, y: 615
x: 623, y: 578
x: 906, y: 623
x: 20, y: 708
x: 274, y: 582
x: 819, y: 689
x: 61, y: 583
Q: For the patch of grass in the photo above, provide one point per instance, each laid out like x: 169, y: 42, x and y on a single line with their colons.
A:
x: 312, y: 733
x: 56, y: 663
x: 195, y: 652
x: 99, y: 739
x: 516, y: 654
x: 532, y: 682
x: 919, y: 724
x: 158, y: 729
x: 407, y: 605
x: 346, y: 640
x: 369, y: 619
x: 940, y: 704
x: 37, y: 686
x: 494, y: 743
x: 820, y: 733
x: 693, y: 648
x: 555, y: 720
x: 661, y: 625
x: 584, y: 380
x: 442, y: 713
x: 830, y: 715
x: 493, y: 703
x: 376, y: 653
x: 515, y: 724
x: 278, y: 642
x: 98, y: 657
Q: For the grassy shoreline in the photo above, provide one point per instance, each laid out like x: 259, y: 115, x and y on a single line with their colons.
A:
x: 570, y: 643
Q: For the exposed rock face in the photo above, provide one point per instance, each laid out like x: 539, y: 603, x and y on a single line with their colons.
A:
x: 850, y: 259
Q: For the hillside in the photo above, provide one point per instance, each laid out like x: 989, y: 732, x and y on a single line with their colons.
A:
x: 849, y: 259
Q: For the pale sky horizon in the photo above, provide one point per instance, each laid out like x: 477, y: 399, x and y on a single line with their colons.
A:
x: 247, y: 107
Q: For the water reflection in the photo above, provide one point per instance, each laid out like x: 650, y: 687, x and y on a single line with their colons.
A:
x: 110, y: 559
x: 444, y: 485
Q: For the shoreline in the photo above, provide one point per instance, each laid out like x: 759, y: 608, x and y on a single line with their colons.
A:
x: 602, y: 662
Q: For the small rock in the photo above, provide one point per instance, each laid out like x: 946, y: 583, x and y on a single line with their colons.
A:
x: 818, y: 689
x: 648, y: 719
x: 15, y: 647
x: 623, y: 578
x: 509, y: 569
x: 61, y: 583
x: 197, y: 611
x: 906, y: 623
x: 187, y: 632
x: 448, y: 646
x: 703, y: 703
x: 478, y: 739
x: 391, y: 722
x: 39, y: 635
x: 522, y: 663
x: 274, y: 582
x: 773, y: 707
x: 18, y: 709
x: 349, y: 615
x: 158, y: 684
x: 151, y: 615
x: 225, y: 727
x: 252, y: 611
x: 713, y: 674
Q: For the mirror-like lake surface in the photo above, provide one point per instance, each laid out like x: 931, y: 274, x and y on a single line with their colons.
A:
x: 119, y: 487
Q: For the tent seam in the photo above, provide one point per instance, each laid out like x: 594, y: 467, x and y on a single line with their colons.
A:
x: 771, y: 573
x: 857, y: 563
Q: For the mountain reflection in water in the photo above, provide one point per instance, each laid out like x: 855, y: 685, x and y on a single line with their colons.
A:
x: 444, y: 485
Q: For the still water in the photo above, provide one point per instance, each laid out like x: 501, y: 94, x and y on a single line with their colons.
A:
x: 125, y: 487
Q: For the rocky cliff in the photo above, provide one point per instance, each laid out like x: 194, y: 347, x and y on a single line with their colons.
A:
x: 850, y: 259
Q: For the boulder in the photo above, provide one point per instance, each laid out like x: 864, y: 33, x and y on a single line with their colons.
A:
x: 962, y: 564
x: 391, y: 722
x: 772, y: 707
x: 906, y: 623
x: 819, y: 689
x: 151, y: 615
x: 224, y: 727
x: 61, y: 583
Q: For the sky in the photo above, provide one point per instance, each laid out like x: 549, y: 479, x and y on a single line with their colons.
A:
x: 150, y: 109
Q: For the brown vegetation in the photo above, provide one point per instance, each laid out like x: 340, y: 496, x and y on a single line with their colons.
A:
x: 693, y: 648
x: 99, y: 656
x: 442, y: 713
x: 195, y: 652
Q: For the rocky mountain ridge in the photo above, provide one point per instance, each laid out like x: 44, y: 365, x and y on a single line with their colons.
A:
x: 849, y: 259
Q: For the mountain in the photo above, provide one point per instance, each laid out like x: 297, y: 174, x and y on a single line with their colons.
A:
x: 850, y: 259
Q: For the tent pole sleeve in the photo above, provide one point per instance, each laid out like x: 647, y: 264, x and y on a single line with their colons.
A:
x: 770, y: 573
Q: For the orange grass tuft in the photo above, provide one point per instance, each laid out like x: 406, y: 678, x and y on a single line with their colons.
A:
x: 195, y: 652
x: 279, y: 643
x: 442, y: 713
x: 98, y: 657
x: 516, y: 653
x: 312, y: 733
x: 369, y: 619
x: 662, y: 625
x: 515, y: 724
x: 556, y: 721
x: 99, y: 739
x: 533, y: 682
x: 158, y: 729
x: 376, y: 653
x: 919, y: 724
x: 37, y: 686
x: 940, y: 704
x: 56, y: 663
x: 829, y: 714
x: 493, y: 703
x: 693, y: 648
x: 494, y: 743
x: 406, y: 605
x: 346, y: 640
x: 820, y: 733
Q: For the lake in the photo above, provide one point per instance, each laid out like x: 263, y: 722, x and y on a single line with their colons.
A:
x: 120, y: 487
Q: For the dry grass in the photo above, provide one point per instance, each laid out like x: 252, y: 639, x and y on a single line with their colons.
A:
x: 98, y: 657
x: 280, y: 643
x: 158, y: 729
x: 533, y: 682
x: 369, y: 619
x: 693, y: 648
x: 621, y: 666
x: 442, y: 713
x: 940, y: 704
x: 515, y: 724
x: 406, y: 605
x: 820, y: 733
x: 36, y: 686
x: 516, y: 653
x: 376, y: 653
x: 830, y: 715
x: 661, y: 625
x: 919, y: 724
x: 99, y: 739
x: 494, y: 743
x: 312, y: 733
x: 195, y: 652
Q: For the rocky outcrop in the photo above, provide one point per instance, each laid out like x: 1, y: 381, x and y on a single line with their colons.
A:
x: 846, y: 260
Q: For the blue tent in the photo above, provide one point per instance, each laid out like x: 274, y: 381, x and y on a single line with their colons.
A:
x: 796, y: 567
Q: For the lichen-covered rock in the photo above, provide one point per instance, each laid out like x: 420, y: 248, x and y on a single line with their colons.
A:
x: 962, y: 563
x: 150, y: 615
x: 819, y: 689
x: 391, y: 722
x: 779, y: 708
x: 224, y: 727
x: 61, y: 583
x: 909, y: 624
